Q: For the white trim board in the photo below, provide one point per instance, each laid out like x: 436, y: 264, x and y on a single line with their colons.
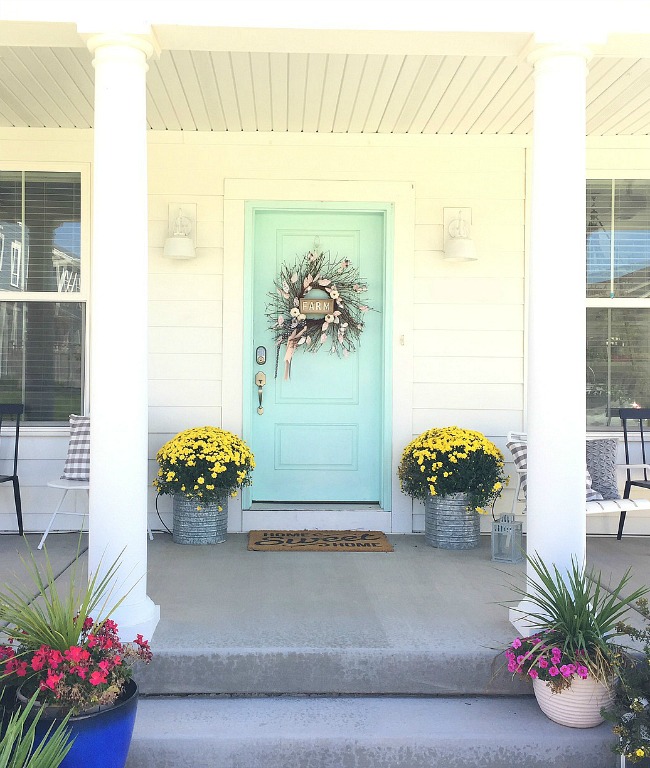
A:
x: 402, y: 196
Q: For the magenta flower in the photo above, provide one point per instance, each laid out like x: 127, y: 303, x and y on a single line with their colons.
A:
x: 553, y: 671
x: 582, y: 671
x: 516, y: 643
x: 533, y: 674
x: 542, y: 663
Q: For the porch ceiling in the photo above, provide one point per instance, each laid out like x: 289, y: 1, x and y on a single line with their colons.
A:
x: 321, y: 91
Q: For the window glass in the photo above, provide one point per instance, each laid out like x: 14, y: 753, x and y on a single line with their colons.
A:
x: 40, y: 224
x: 41, y: 351
x: 618, y: 364
x: 618, y: 246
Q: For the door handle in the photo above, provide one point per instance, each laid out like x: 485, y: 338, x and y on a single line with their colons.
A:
x: 260, y: 380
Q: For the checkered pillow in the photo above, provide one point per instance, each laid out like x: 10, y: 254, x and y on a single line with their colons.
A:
x: 77, y: 463
x: 519, y: 451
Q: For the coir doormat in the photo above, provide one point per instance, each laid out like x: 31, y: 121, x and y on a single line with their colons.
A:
x: 318, y: 541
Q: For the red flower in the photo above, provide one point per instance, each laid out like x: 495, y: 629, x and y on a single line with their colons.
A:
x: 51, y: 680
x: 97, y: 678
x: 76, y: 654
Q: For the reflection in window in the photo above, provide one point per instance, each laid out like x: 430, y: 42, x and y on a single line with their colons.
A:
x: 41, y: 349
x: 41, y: 211
x: 618, y: 364
x: 618, y: 238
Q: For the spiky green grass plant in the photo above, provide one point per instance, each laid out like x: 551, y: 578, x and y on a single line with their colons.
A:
x: 575, y: 612
x: 17, y: 748
x: 52, y: 618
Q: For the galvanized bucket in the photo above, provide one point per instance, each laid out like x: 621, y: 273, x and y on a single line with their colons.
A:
x: 199, y: 522
x: 449, y: 524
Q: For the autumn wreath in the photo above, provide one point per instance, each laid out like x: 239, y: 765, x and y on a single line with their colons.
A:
x: 326, y: 282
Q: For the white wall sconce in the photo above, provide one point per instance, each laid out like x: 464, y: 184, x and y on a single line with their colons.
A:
x: 458, y: 245
x: 179, y: 244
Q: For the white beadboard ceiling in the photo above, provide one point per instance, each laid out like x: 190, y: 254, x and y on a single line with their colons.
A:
x: 320, y: 92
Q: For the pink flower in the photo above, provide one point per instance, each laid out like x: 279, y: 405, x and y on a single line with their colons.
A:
x: 97, y: 678
x: 553, y: 671
x: 516, y: 643
x: 533, y: 674
x: 542, y: 663
x: 582, y: 671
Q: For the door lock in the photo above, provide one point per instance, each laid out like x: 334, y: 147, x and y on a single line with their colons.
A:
x: 260, y: 380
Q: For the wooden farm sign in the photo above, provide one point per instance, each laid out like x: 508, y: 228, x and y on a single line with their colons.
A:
x: 316, y: 306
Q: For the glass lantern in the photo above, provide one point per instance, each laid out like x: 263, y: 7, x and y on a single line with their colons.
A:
x: 507, y: 540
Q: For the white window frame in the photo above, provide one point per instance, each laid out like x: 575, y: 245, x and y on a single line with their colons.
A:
x: 83, y: 295
x: 606, y: 302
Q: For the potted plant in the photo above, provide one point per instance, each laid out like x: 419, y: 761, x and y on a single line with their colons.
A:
x: 630, y: 711
x: 63, y: 649
x: 573, y: 655
x: 200, y: 468
x: 19, y: 747
x: 457, y: 473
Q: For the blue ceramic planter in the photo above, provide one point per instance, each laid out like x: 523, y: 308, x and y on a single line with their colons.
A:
x: 101, y: 738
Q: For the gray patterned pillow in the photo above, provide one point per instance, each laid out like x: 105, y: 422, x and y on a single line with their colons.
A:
x: 519, y: 451
x: 77, y: 463
x: 601, y: 463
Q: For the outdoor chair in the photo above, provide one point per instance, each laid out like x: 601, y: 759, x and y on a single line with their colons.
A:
x: 632, y: 420
x: 76, y: 471
x: 602, y: 495
x: 10, y: 411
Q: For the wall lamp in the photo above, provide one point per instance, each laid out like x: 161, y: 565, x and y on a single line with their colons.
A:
x: 458, y: 245
x: 179, y: 244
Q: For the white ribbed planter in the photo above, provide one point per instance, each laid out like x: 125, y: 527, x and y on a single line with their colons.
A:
x: 578, y: 706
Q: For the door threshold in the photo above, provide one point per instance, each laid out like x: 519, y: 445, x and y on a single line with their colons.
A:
x: 311, y: 506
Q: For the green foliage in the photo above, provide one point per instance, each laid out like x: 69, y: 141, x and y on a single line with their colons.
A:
x: 630, y: 714
x: 17, y: 745
x: 577, y: 614
x: 55, y: 619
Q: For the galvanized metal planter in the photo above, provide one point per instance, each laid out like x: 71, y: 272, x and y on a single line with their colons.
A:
x: 448, y: 524
x: 199, y: 522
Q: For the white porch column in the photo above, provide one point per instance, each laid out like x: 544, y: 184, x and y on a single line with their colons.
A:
x: 118, y: 327
x: 556, y: 334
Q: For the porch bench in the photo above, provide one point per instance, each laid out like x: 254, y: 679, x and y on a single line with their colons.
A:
x: 604, y: 498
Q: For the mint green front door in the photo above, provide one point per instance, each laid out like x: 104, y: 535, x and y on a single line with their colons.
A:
x: 319, y: 435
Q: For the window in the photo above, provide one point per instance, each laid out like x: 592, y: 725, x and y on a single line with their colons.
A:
x: 618, y: 299
x: 42, y: 309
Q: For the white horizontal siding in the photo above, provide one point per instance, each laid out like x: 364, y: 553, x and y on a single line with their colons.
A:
x: 469, y: 319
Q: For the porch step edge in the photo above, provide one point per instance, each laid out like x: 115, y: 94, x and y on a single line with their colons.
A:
x: 357, y: 671
x: 350, y: 732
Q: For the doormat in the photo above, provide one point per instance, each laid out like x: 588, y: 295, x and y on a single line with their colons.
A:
x: 318, y: 541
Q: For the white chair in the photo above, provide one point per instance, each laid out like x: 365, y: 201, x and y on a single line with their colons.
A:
x: 76, y: 472
x: 66, y: 486
x: 518, y: 437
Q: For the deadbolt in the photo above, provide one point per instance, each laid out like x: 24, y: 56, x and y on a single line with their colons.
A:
x: 260, y: 355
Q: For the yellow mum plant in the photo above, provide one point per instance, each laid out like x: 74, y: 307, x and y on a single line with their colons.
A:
x: 204, y: 463
x: 447, y: 460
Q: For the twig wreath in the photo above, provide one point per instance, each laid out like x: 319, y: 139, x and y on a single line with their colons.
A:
x: 316, y: 276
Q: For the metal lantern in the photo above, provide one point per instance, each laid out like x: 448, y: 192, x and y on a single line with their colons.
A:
x: 506, y: 540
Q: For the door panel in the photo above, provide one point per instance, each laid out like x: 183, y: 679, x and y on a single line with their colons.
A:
x: 319, y: 437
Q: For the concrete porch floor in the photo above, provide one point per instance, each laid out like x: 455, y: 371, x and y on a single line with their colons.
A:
x: 356, y: 609
x: 340, y: 660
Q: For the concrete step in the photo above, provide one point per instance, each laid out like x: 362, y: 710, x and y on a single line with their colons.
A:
x: 438, y: 671
x: 360, y: 732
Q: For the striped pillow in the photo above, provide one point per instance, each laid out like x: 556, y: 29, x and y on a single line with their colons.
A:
x: 77, y: 463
